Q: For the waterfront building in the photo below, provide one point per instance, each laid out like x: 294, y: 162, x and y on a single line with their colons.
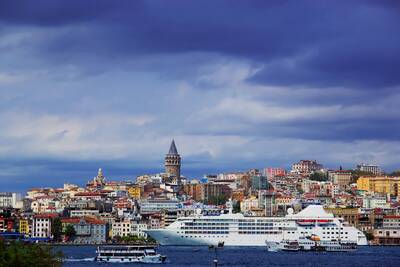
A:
x: 41, y: 225
x: 306, y: 167
x: 371, y: 168
x: 88, y: 230
x: 139, y: 228
x: 7, y: 224
x: 389, y: 233
x: 380, y: 184
x: 173, y: 163
x: 129, y: 227
x: 121, y: 228
x: 25, y: 226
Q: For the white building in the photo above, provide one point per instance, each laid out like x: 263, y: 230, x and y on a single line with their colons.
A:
x: 138, y: 229
x: 306, y: 167
x: 121, y: 229
x: 152, y: 206
x: 81, y: 213
x: 372, y: 168
x: 373, y: 202
x: 10, y: 200
x: 129, y: 228
x: 41, y: 225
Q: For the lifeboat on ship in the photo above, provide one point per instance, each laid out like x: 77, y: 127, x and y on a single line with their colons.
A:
x: 308, y: 222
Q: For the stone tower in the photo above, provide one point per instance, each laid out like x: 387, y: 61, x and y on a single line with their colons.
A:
x: 173, y: 162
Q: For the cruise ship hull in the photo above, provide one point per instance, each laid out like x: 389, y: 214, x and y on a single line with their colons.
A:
x: 167, y: 237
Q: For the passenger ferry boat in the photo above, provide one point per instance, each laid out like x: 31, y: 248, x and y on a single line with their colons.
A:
x: 312, y: 243
x: 283, y: 245
x: 239, y: 230
x: 128, y: 254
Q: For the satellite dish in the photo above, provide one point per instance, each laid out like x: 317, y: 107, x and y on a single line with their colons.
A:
x: 290, y: 211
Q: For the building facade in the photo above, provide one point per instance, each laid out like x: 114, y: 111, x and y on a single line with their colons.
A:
x: 380, y: 184
x: 372, y: 168
x: 173, y: 162
x: 306, y: 167
x: 41, y: 225
x: 342, y: 178
x: 272, y: 172
x: 9, y: 200
x: 389, y: 233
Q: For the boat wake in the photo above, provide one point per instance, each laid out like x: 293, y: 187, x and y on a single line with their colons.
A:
x: 77, y: 260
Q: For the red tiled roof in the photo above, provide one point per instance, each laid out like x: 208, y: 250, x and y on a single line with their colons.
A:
x: 90, y: 220
x: 46, y: 215
x: 391, y: 217
x: 83, y: 194
x: 70, y: 220
x: 106, y: 191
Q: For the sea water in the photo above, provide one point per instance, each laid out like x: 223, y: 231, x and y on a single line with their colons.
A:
x: 248, y: 256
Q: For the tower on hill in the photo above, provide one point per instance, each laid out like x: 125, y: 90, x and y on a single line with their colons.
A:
x: 172, y: 162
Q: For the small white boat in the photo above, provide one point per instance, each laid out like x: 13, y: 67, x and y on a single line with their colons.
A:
x: 128, y: 254
x: 284, y: 245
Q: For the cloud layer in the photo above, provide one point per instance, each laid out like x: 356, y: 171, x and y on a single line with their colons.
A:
x: 238, y: 85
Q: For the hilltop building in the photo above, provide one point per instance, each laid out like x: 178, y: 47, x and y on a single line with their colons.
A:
x: 172, y: 163
x: 374, y: 169
x: 98, y: 182
x: 306, y: 167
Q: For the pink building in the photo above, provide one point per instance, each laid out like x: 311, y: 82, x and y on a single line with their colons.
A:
x: 272, y: 172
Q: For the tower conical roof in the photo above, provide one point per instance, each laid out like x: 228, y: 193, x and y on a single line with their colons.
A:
x: 172, y: 148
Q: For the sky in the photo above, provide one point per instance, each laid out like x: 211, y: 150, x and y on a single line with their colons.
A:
x: 237, y: 84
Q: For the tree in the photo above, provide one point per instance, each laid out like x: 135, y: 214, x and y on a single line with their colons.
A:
x: 318, y: 176
x: 395, y: 173
x: 369, y: 236
x: 24, y: 255
x: 56, y: 229
x: 236, y: 207
x: 355, y: 174
x: 70, y: 231
x: 217, y: 200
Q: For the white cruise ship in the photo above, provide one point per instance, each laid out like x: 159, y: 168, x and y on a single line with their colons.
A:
x: 238, y: 230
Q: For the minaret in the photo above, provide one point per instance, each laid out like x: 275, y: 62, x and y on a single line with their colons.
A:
x: 100, y: 177
x: 173, y: 162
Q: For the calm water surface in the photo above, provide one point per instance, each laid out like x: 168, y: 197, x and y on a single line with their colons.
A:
x: 249, y: 256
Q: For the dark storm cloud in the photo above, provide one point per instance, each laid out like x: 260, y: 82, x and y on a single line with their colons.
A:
x: 307, y: 43
x: 240, y: 83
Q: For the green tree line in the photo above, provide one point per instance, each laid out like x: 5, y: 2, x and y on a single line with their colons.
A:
x: 18, y: 254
